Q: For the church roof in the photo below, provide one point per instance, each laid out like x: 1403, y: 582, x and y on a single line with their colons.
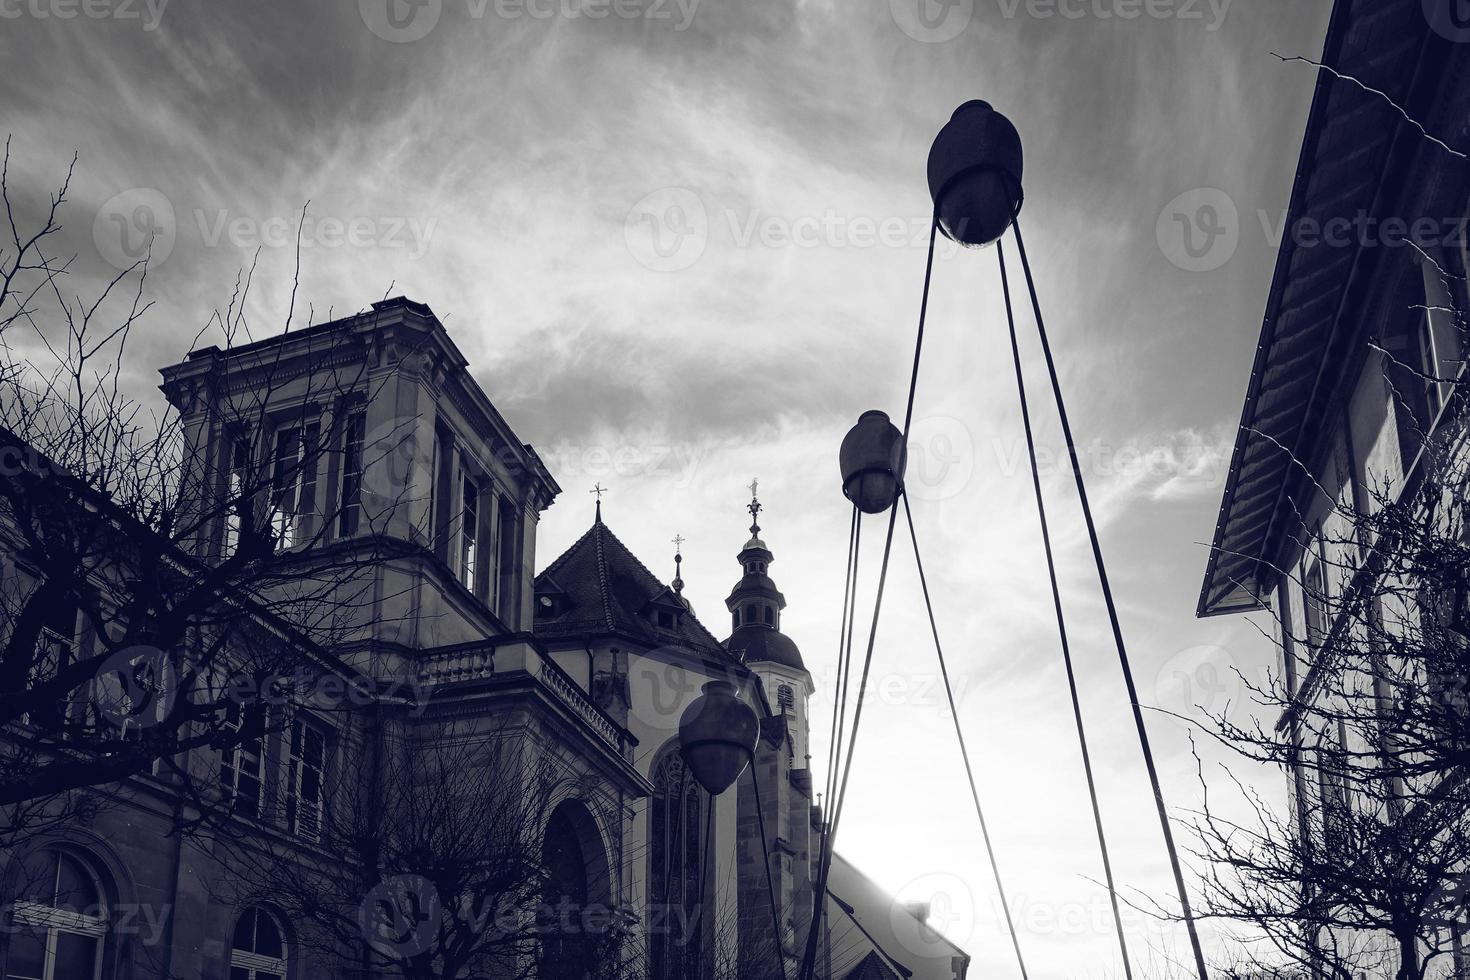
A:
x: 598, y: 588
x: 871, y: 968
x: 763, y: 644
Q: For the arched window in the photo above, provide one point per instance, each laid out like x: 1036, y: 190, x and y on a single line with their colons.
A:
x: 60, y: 924
x: 565, y: 953
x: 675, y: 830
x: 770, y: 616
x: 752, y: 614
x: 785, y: 697
x: 259, y: 949
x: 737, y: 618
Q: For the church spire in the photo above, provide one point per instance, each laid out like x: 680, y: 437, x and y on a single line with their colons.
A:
x: 679, y: 565
x: 755, y: 602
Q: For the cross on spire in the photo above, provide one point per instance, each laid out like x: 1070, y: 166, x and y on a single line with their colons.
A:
x: 678, y: 564
x: 755, y: 508
x: 598, y: 489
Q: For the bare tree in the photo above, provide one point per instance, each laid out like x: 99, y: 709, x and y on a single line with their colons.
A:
x: 156, y: 595
x: 1368, y: 867
x: 439, y: 859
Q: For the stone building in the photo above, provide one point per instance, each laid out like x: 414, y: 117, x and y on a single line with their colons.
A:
x: 388, y: 464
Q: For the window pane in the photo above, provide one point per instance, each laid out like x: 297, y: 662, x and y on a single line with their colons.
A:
x: 76, y: 956
x: 239, y: 973
x: 245, y: 931
x: 267, y: 937
x: 75, y: 889
x: 27, y: 955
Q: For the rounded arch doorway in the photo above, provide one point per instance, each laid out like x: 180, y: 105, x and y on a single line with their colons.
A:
x: 576, y: 909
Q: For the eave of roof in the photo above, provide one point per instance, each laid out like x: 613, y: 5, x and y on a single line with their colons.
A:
x: 1344, y: 151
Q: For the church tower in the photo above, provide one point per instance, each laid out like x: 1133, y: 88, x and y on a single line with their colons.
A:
x: 755, y: 607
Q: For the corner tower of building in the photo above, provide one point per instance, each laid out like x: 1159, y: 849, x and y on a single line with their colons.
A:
x: 755, y: 606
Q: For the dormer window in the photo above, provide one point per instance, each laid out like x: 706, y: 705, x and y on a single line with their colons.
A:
x: 665, y: 619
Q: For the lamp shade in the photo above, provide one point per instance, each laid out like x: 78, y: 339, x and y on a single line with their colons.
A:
x: 975, y: 174
x: 872, y: 458
x: 717, y: 736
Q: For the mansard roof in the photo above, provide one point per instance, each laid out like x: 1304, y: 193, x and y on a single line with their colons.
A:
x: 599, y: 588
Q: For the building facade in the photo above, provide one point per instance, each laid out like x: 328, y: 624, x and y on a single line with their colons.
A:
x: 468, y: 748
x: 1354, y: 409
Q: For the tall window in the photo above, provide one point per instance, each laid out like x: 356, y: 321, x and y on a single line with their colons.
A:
x: 242, y: 768
x: 349, y: 512
x: 306, y: 773
x: 55, y: 648
x: 237, y: 507
x: 469, y: 533
x: 60, y: 925
x: 1314, y: 603
x: 675, y: 836
x: 506, y: 561
x: 259, y: 949
x: 293, y: 483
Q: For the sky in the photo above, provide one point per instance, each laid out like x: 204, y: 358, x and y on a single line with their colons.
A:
x: 681, y: 243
